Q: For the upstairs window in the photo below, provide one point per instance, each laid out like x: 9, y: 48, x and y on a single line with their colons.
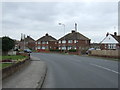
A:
x: 38, y: 42
x: 63, y: 41
x: 59, y: 41
x: 43, y: 42
x: 70, y: 41
x: 75, y: 41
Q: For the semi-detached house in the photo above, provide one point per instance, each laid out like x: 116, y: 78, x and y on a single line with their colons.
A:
x: 74, y: 40
x: 46, y: 42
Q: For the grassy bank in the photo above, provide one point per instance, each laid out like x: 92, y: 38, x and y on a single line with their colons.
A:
x: 12, y: 57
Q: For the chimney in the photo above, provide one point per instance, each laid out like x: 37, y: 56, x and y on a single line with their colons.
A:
x: 46, y: 34
x: 107, y: 34
x: 73, y: 31
x: 115, y: 33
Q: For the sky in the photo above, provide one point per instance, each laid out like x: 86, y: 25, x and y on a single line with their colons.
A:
x: 94, y: 19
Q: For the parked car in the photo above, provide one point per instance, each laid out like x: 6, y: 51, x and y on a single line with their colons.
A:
x: 27, y: 51
x: 89, y: 50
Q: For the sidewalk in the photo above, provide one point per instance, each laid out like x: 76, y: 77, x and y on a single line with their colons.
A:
x: 31, y: 76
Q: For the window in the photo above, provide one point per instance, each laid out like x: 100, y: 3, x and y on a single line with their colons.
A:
x: 74, y: 47
x: 63, y: 41
x: 38, y: 47
x: 114, y: 46
x: 69, y: 41
x: 55, y: 42
x: 46, y: 47
x: 75, y: 41
x: 38, y: 42
x: 63, y: 48
x: 43, y: 42
x: 59, y: 48
x: 46, y: 42
x: 43, y: 47
x: 59, y: 41
x: 111, y: 46
x: 69, y: 47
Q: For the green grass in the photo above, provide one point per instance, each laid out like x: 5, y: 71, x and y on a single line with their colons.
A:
x: 3, y: 65
x: 13, y: 57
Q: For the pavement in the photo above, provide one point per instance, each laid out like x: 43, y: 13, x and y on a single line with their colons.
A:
x: 72, y: 71
x: 31, y: 76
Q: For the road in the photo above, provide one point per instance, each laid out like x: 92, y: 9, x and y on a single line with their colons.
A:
x: 72, y: 71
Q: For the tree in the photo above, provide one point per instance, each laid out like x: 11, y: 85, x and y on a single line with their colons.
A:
x: 7, y: 44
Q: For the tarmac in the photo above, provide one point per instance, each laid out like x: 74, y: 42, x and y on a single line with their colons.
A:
x: 31, y: 76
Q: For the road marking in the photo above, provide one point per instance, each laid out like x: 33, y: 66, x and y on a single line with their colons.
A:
x: 104, y: 68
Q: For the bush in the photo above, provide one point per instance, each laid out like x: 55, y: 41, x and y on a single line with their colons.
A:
x: 55, y: 50
x: 72, y: 50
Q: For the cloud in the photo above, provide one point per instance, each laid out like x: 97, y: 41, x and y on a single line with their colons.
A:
x: 36, y: 19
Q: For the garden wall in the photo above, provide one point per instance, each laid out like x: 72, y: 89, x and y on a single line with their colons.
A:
x: 14, y: 68
x: 106, y: 53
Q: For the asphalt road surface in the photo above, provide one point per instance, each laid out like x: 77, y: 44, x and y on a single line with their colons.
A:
x: 72, y: 71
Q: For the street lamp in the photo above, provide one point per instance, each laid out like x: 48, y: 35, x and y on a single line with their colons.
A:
x: 64, y: 30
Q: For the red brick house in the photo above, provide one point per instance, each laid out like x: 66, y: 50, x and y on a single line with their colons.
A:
x: 28, y: 42
x: 46, y: 43
x: 74, y: 40
x: 110, y: 42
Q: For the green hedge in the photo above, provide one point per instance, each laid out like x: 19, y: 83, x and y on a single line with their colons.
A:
x: 55, y: 50
x: 72, y: 50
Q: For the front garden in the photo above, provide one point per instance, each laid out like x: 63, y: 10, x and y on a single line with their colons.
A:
x: 6, y: 61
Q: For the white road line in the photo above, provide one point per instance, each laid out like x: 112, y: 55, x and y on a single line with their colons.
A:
x: 104, y: 68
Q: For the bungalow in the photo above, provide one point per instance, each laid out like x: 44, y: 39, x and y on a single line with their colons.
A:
x: 74, y: 40
x: 46, y: 42
x: 110, y: 42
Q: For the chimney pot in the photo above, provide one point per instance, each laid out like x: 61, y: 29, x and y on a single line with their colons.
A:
x: 73, y: 31
x: 115, y: 33
x: 46, y: 34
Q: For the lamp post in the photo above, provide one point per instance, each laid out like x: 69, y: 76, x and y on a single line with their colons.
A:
x: 64, y: 30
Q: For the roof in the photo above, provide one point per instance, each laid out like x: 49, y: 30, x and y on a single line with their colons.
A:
x: 47, y: 38
x: 28, y: 39
x: 117, y: 38
x: 74, y: 36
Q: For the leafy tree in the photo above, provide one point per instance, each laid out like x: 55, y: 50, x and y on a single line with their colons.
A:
x: 7, y: 44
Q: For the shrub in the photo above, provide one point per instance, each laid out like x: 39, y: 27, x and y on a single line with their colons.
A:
x: 72, y: 50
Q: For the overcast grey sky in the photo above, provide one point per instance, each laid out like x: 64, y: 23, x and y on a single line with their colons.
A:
x: 94, y: 19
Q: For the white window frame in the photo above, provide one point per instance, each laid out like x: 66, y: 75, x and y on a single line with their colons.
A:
x: 43, y: 42
x: 63, y: 48
x: 39, y: 42
x: 70, y: 41
x: 47, y: 42
x: 59, y: 41
x: 75, y: 41
x: 43, y: 47
x: 63, y: 41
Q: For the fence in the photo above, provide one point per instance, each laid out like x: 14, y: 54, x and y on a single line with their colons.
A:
x: 106, y: 53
